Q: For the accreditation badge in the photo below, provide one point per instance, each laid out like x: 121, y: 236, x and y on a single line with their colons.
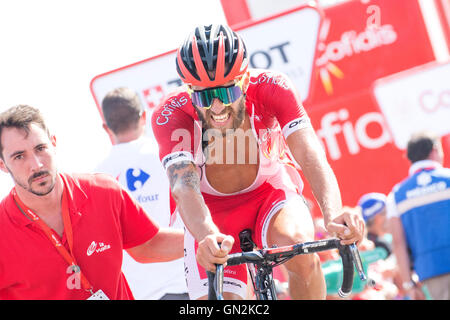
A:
x: 99, y: 295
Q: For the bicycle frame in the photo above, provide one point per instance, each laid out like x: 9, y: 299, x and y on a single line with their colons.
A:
x: 261, y: 275
x: 262, y: 280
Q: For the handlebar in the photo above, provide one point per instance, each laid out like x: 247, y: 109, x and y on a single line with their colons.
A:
x: 349, y: 254
x: 215, y: 283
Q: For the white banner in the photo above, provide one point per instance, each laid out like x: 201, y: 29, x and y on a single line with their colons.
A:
x: 416, y: 100
x: 285, y: 43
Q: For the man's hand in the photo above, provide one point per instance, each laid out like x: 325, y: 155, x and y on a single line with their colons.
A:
x: 210, y: 253
x: 348, y: 226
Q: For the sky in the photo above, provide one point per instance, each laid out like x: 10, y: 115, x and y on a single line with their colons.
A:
x: 52, y: 49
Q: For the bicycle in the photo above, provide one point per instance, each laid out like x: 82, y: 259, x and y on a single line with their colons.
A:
x: 261, y: 263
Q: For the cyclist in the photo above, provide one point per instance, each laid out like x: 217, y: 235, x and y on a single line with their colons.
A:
x: 227, y: 138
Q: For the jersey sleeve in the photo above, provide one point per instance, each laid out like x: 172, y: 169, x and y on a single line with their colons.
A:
x: 173, y: 128
x: 281, y: 100
x: 118, y: 210
x: 137, y: 226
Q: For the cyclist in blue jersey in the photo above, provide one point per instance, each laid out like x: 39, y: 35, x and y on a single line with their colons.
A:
x: 419, y: 216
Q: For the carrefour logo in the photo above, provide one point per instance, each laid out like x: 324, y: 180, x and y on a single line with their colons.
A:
x: 136, y: 178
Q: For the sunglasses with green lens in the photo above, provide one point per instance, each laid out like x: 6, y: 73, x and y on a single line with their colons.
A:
x: 227, y: 95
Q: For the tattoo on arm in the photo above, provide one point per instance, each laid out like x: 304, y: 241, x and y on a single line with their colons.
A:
x: 191, y: 179
x: 184, y: 173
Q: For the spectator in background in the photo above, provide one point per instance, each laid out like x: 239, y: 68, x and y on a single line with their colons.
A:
x: 63, y: 235
x: 373, y: 210
x: 134, y: 162
x: 419, y: 217
x: 384, y: 268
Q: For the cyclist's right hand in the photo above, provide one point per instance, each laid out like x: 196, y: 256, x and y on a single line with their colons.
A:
x: 209, y: 253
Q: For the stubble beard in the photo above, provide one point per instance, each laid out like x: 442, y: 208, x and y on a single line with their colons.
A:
x: 238, y: 119
x: 29, y: 185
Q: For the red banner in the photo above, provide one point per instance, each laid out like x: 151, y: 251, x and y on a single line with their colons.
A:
x: 359, y: 146
x: 378, y: 40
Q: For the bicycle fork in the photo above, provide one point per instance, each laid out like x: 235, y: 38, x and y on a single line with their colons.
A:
x: 262, y: 281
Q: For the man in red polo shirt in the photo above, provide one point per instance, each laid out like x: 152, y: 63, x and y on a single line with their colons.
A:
x: 62, y: 235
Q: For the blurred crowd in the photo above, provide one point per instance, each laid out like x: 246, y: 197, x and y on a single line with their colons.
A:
x: 405, y: 250
x: 376, y: 254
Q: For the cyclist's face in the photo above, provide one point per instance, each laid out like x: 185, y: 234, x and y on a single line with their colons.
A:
x: 220, y: 116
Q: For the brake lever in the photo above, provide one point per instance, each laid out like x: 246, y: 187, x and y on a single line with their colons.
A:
x: 357, y: 261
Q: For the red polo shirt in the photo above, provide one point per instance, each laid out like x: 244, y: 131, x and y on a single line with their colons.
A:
x: 105, y: 220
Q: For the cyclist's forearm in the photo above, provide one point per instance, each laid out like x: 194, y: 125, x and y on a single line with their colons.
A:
x: 309, y: 154
x: 324, y: 186
x: 195, y: 214
x: 185, y: 187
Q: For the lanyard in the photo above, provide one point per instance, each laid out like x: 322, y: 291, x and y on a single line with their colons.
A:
x: 54, y: 237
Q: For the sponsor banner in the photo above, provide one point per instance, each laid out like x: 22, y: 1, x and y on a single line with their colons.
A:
x: 359, y: 146
x: 415, y: 100
x: 286, y: 43
x: 359, y: 141
x: 377, y: 41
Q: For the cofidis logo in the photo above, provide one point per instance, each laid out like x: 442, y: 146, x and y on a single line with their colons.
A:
x: 350, y: 43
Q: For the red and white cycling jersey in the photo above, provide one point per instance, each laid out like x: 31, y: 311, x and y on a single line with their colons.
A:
x: 275, y: 111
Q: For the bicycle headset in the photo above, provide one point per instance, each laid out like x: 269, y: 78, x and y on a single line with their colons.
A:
x: 211, y: 56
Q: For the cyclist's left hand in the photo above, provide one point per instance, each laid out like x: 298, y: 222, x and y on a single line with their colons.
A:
x: 209, y: 253
x: 348, y: 226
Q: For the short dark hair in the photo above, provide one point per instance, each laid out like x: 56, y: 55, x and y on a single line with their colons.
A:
x: 421, y: 144
x: 121, y: 109
x: 21, y: 117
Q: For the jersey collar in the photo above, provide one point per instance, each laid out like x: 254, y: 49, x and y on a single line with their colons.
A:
x: 423, y: 165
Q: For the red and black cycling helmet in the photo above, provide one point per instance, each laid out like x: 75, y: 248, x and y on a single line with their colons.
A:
x: 211, y: 56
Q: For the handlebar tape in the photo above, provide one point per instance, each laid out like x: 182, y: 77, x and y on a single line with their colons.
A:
x: 211, y: 290
x: 348, y: 271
